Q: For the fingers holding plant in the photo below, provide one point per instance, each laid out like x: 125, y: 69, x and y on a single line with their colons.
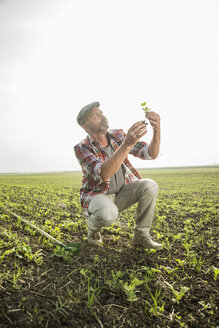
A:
x: 139, y: 129
x: 153, y: 117
x: 135, y: 133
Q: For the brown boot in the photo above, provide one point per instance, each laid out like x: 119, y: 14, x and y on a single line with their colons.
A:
x: 94, y: 238
x: 146, y: 242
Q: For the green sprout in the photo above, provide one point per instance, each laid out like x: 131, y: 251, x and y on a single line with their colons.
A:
x: 145, y: 109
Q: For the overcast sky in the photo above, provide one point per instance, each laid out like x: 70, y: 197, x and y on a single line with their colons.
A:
x: 57, y: 56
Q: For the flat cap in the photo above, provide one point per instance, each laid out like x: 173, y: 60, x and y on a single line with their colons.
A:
x: 85, y: 111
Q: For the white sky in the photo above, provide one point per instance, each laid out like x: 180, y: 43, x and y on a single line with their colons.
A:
x: 57, y: 56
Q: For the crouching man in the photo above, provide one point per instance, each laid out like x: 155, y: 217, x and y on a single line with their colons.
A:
x: 110, y: 183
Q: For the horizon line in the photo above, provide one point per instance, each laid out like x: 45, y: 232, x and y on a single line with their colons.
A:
x: 141, y: 168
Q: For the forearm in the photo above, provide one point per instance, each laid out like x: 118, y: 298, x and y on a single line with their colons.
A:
x: 111, y: 165
x: 154, y: 146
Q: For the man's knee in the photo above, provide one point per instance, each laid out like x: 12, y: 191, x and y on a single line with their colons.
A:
x: 149, y: 186
x: 107, y: 215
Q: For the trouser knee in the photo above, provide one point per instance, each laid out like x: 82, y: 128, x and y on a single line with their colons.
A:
x: 106, y: 215
x: 149, y: 186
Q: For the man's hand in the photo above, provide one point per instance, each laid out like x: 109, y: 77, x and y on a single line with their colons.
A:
x: 154, y: 120
x: 134, y: 134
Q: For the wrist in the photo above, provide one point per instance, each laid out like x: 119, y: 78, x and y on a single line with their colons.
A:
x: 156, y: 129
x: 126, y: 145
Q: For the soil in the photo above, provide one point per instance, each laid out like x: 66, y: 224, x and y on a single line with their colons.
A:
x: 53, y: 294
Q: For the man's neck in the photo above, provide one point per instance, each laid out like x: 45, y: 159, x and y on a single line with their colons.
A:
x: 102, y: 138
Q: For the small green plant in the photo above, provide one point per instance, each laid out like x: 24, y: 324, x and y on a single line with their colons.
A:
x: 92, y: 291
x: 9, y: 251
x: 68, y: 251
x: 169, y: 270
x: 157, y: 306
x: 59, y: 305
x: 145, y: 108
x: 16, y: 276
x: 36, y: 257
x: 116, y: 280
x: 177, y: 295
x: 150, y: 273
x: 181, y: 262
x: 216, y: 272
x: 130, y: 289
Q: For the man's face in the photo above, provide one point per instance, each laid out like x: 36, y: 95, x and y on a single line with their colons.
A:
x: 96, y: 122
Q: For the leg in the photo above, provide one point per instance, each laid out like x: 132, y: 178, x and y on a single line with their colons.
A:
x: 103, y: 212
x: 147, y: 195
x: 144, y: 192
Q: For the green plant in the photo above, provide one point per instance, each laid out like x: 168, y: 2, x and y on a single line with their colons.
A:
x: 16, y: 276
x: 170, y: 271
x: 177, y: 294
x: 8, y: 251
x: 157, y: 306
x: 92, y: 291
x: 145, y: 108
x: 60, y: 306
x: 130, y: 289
x: 216, y: 272
x: 181, y: 262
x: 194, y: 261
x: 36, y: 257
x: 66, y: 252
x: 150, y: 273
x: 116, y: 280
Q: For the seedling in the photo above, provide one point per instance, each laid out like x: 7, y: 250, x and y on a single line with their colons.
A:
x: 116, y: 280
x: 92, y: 291
x: 177, y: 294
x: 216, y: 272
x: 67, y: 251
x: 145, y: 109
x: 157, y: 306
x: 130, y: 289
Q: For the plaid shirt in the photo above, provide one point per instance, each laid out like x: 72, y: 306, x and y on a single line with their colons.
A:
x: 91, y: 156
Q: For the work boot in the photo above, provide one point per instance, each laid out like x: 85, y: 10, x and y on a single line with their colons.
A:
x: 94, y: 238
x: 146, y: 241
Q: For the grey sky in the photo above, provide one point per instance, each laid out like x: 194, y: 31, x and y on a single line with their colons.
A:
x: 57, y: 56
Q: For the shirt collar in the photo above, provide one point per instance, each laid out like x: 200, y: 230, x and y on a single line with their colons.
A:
x: 94, y: 143
x: 97, y: 146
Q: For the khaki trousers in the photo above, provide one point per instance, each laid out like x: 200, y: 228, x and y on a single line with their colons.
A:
x: 104, y: 209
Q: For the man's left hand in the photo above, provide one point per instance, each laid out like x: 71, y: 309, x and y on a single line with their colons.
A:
x: 154, y: 120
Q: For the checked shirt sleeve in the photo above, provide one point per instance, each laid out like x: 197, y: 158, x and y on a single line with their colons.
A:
x: 140, y: 150
x: 91, y: 165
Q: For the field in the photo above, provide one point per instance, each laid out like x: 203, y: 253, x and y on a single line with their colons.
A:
x: 43, y: 284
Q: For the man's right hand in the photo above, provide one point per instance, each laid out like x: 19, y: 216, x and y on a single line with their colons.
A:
x: 135, y: 133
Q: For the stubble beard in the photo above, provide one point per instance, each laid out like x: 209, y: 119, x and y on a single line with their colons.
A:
x: 101, y: 128
x: 104, y: 126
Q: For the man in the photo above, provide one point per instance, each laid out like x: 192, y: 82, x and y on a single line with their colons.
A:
x: 110, y: 183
